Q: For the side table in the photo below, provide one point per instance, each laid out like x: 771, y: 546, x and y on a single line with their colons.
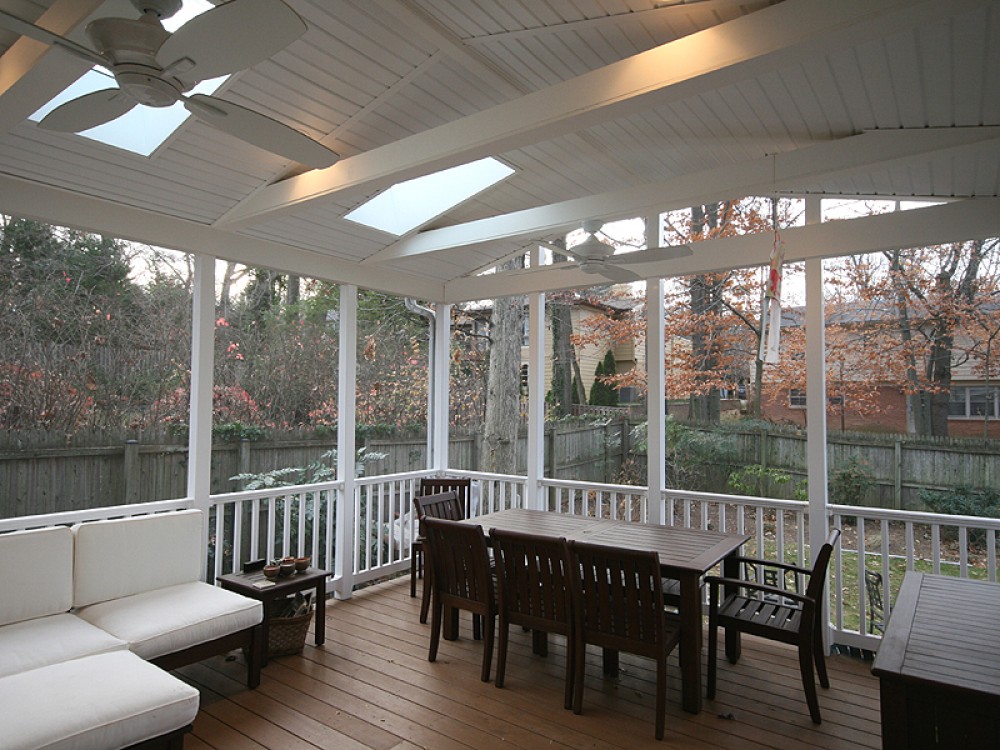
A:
x: 267, y: 591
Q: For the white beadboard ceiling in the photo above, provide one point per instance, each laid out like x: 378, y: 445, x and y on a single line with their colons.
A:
x: 605, y: 108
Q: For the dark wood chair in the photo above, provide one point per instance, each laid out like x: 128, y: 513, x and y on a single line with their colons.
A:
x: 876, y: 607
x: 434, y: 486
x: 618, y: 604
x: 533, y: 590
x: 778, y: 607
x: 462, y: 579
x: 439, y: 505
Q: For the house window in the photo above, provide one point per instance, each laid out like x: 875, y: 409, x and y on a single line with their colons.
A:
x: 972, y: 401
x: 524, y: 380
x: 797, y: 398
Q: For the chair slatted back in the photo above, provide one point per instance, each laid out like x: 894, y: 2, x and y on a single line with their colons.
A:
x: 461, y: 487
x: 460, y: 558
x: 440, y: 505
x: 619, y: 598
x: 534, y: 579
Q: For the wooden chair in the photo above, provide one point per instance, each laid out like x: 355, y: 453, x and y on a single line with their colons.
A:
x: 434, y: 486
x: 440, y: 505
x: 533, y: 591
x: 876, y: 607
x: 618, y: 603
x: 777, y: 612
x: 460, y: 560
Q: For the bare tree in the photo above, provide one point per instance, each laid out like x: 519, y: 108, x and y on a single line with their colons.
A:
x: 503, y: 381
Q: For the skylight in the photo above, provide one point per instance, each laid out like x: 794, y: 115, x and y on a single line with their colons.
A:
x: 410, y: 204
x: 144, y: 129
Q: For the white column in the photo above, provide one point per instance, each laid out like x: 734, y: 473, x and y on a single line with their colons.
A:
x: 655, y: 401
x: 655, y: 376
x: 346, y: 449
x: 199, y: 477
x: 816, y: 395
x: 440, y: 398
x: 536, y: 401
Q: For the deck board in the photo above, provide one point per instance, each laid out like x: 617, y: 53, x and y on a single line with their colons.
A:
x: 371, y: 687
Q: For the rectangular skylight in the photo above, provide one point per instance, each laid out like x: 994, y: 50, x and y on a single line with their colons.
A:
x: 144, y: 129
x: 408, y: 205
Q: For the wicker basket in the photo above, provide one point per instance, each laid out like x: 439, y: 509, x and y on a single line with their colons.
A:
x: 287, y: 635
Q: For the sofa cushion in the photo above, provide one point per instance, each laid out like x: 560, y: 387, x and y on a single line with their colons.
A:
x: 38, y: 573
x: 126, y: 556
x: 170, y: 619
x: 106, y: 701
x: 47, y: 640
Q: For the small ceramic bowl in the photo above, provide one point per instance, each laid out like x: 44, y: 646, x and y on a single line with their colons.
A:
x: 301, y: 563
x: 271, y: 571
x: 286, y: 568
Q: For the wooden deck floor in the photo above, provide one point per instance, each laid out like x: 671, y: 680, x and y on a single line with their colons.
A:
x: 371, y: 686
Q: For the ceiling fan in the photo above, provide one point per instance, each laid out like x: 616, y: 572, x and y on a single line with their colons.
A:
x: 598, y: 257
x: 154, y: 67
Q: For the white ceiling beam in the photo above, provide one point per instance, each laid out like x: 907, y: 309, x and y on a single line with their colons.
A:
x: 974, y: 218
x: 719, y: 56
x: 793, y: 171
x: 31, y: 72
x: 653, y: 15
x: 64, y: 208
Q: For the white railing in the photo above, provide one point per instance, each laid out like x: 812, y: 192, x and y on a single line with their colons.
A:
x: 301, y: 520
x: 272, y: 523
x: 68, y: 518
x: 613, y: 501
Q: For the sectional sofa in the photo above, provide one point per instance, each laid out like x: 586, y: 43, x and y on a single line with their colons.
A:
x: 90, y: 619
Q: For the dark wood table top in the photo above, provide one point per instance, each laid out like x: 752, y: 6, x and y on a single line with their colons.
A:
x: 944, y: 631
x: 254, y: 584
x: 678, y: 548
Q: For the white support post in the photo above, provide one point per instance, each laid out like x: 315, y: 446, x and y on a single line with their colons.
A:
x: 199, y: 476
x: 536, y: 401
x: 441, y: 385
x: 816, y: 450
x: 346, y: 449
x: 655, y: 396
x: 655, y: 402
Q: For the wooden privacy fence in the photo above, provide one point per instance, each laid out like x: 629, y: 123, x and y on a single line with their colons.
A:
x: 45, y: 472
x: 900, y: 465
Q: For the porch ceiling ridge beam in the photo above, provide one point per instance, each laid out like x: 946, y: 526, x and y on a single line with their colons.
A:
x: 972, y: 218
x: 715, y: 57
x: 20, y: 197
x: 32, y: 72
x: 790, y: 171
x: 646, y: 15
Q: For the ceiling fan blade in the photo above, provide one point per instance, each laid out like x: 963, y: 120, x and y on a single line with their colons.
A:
x: 621, y: 275
x: 260, y: 130
x: 45, y: 36
x: 230, y: 37
x: 654, y: 254
x: 88, y: 111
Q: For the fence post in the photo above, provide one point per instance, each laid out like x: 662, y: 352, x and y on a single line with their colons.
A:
x: 131, y: 472
x: 550, y: 452
x: 244, y: 456
x: 897, y: 479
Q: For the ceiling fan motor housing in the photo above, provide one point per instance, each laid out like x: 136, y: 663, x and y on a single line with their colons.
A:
x: 146, y: 86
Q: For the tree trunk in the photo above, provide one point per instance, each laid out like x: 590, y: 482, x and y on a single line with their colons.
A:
x: 562, y: 359
x: 499, y: 453
x: 705, y: 298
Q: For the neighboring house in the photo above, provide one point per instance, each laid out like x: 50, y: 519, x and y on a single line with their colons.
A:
x: 974, y: 404
x: 628, y: 356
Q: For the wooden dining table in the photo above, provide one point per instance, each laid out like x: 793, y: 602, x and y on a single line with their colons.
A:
x: 686, y: 555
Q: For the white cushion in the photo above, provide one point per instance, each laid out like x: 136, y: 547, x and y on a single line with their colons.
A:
x: 166, y: 620
x: 126, y: 556
x: 37, y: 575
x: 47, y: 640
x: 106, y: 701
